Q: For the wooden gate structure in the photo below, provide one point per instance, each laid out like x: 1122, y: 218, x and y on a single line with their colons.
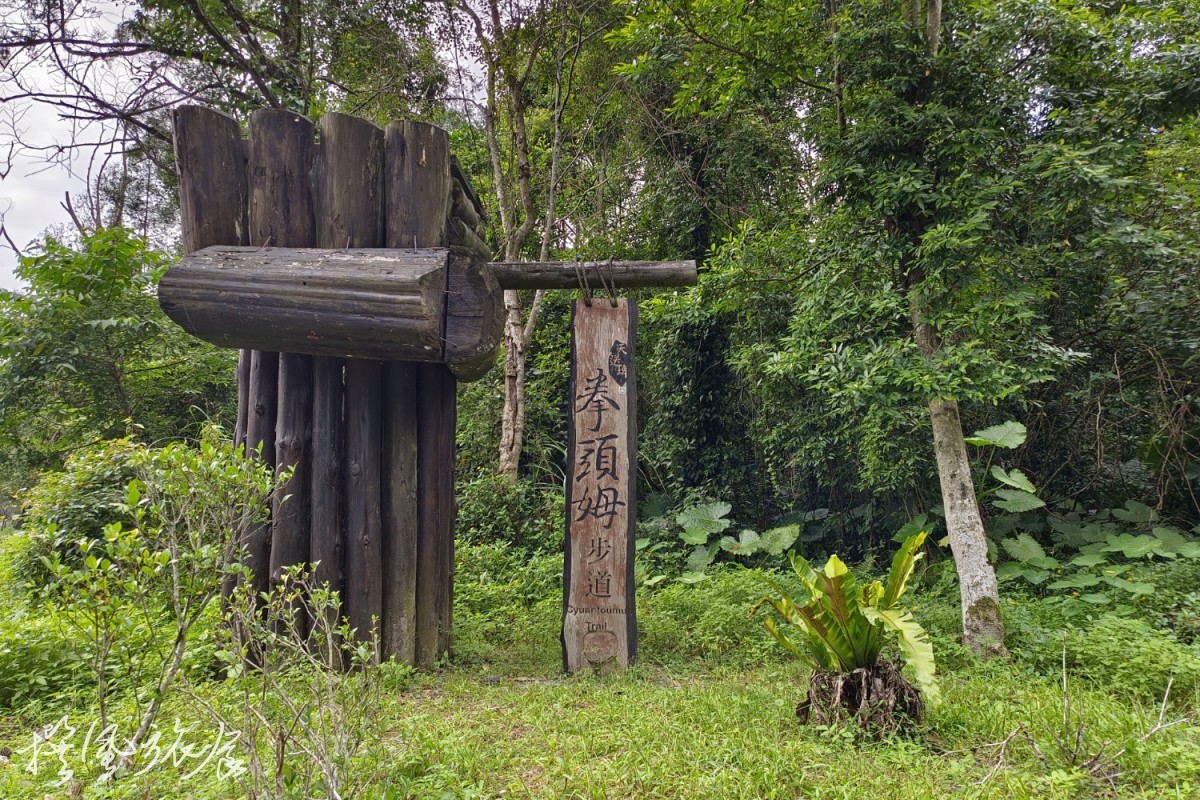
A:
x: 347, y: 262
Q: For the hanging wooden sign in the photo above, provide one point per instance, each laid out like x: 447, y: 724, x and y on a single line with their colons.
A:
x: 599, y: 620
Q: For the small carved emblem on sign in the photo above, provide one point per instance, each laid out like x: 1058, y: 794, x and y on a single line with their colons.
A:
x: 618, y: 362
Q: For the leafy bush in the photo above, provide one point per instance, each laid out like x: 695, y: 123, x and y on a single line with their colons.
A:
x: 707, y: 620
x: 36, y: 661
x: 66, y: 507
x: 842, y: 627
x: 525, y: 514
x: 507, y: 605
x: 1131, y: 658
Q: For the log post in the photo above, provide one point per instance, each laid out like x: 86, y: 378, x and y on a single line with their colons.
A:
x: 418, y: 208
x: 211, y: 157
x: 348, y: 189
x: 347, y: 209
x: 279, y: 159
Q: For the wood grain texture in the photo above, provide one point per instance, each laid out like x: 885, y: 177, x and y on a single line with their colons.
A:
x: 418, y: 185
x: 279, y: 159
x: 262, y: 402
x: 381, y: 304
x: 437, y: 417
x: 398, y: 634
x: 347, y: 186
x: 596, y: 274
x: 363, y: 601
x: 211, y: 158
x: 599, y: 612
x: 327, y: 537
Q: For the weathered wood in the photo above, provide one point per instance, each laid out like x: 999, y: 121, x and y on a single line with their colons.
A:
x: 327, y: 537
x: 279, y: 160
x: 437, y: 416
x: 460, y: 178
x: 599, y: 613
x: 291, y: 504
x: 474, y: 318
x: 596, y: 274
x: 243, y: 395
x: 417, y: 181
x: 398, y: 634
x: 212, y: 177
x: 461, y: 207
x: 379, y: 303
x: 462, y: 236
x: 260, y: 438
x: 348, y: 183
x: 363, y: 601
x: 211, y: 158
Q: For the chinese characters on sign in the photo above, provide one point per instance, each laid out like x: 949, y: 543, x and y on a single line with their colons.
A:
x: 599, y: 624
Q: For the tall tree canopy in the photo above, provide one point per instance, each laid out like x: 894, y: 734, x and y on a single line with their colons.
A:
x: 974, y: 164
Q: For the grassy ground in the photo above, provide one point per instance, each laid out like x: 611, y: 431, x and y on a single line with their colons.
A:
x: 709, y: 712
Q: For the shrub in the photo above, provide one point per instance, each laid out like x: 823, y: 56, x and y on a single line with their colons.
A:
x: 525, y: 514
x: 75, y: 504
x: 1131, y: 658
x: 710, y: 620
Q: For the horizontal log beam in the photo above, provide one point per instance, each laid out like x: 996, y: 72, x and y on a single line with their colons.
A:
x: 436, y: 305
x: 616, y: 274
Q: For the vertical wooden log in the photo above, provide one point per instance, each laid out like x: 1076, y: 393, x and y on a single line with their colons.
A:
x: 279, y: 159
x: 211, y: 158
x: 328, y: 531
x: 418, y: 184
x: 599, y: 615
x: 243, y: 411
x: 260, y: 438
x: 400, y: 523
x: 364, y: 558
x: 418, y: 197
x: 437, y: 414
x: 347, y: 189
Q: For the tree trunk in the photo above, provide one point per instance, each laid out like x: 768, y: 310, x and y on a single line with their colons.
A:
x: 983, y: 630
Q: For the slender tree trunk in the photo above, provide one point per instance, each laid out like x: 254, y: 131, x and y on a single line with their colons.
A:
x: 983, y: 630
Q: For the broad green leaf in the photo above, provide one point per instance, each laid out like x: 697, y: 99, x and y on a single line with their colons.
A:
x: 917, y: 524
x: 1171, y: 537
x: 777, y: 540
x: 1009, y: 434
x: 1023, y: 548
x: 1016, y: 500
x: 693, y: 577
x: 1035, y: 576
x: 1083, y: 581
x: 1131, y: 546
x: 1130, y: 585
x: 1015, y: 479
x: 1089, y: 560
x: 1190, y: 550
x: 916, y: 647
x: 903, y: 563
x: 1096, y: 597
x: 1135, y: 512
x: 705, y: 517
x: 694, y: 536
x: 700, y: 558
x: 747, y: 543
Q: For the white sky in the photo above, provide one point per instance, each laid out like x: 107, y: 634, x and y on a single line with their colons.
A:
x: 32, y: 192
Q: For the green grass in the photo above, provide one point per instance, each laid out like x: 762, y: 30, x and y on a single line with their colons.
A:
x: 709, y: 712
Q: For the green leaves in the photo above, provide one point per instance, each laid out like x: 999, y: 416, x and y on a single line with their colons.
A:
x: 842, y: 625
x: 1009, y: 434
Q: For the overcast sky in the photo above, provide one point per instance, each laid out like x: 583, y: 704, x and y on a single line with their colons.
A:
x: 31, y: 193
